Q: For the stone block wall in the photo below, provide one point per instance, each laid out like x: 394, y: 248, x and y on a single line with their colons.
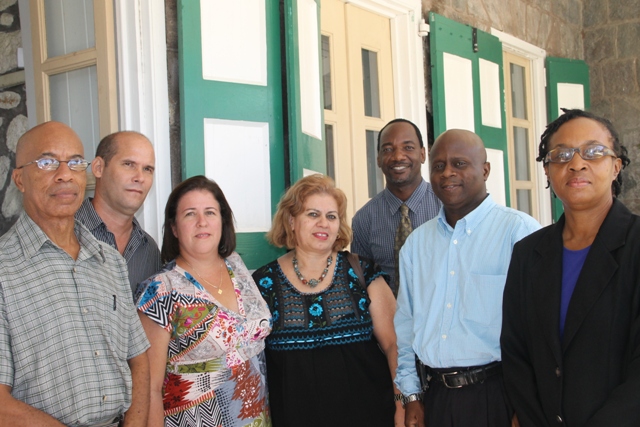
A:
x: 13, y: 113
x: 612, y: 50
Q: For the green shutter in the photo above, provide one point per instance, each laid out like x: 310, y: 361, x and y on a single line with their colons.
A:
x: 448, y: 36
x: 200, y: 99
x: 306, y: 151
x: 563, y: 70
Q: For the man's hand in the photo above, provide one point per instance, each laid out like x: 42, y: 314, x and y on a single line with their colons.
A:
x: 414, y: 414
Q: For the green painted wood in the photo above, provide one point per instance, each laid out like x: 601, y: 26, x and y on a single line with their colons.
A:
x: 200, y: 99
x: 305, y: 151
x: 563, y: 70
x: 455, y: 38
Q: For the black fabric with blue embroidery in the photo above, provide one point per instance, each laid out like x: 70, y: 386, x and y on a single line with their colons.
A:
x: 337, y: 315
x: 324, y: 366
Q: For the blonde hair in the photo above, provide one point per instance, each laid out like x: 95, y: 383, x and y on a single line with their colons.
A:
x: 292, y: 204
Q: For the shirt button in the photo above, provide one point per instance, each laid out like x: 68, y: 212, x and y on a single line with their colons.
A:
x: 559, y: 419
x: 97, y: 353
x: 75, y: 270
x: 455, y: 242
x: 452, y: 272
x: 444, y: 337
x: 558, y: 372
x: 449, y: 305
x: 468, y: 231
x: 104, y: 398
x: 85, y: 311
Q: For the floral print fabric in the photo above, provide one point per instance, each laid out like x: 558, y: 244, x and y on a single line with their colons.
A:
x: 215, y: 374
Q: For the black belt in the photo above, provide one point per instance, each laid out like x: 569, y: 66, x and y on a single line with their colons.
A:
x: 460, y: 377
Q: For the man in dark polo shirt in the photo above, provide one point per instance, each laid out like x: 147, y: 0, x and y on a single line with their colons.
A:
x: 123, y: 167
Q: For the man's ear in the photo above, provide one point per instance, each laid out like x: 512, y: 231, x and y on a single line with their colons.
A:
x: 486, y: 168
x: 97, y: 166
x: 16, y: 175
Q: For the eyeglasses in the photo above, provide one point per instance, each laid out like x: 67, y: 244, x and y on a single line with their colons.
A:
x: 587, y: 152
x: 48, y: 164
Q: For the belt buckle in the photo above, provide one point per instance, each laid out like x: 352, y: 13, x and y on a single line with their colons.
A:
x: 444, y: 379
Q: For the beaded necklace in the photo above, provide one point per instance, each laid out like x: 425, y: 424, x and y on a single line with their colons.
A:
x: 312, y: 283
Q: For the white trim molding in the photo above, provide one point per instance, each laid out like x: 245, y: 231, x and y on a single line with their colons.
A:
x: 143, y: 94
x: 537, y: 56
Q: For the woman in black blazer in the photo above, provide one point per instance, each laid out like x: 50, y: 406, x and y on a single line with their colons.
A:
x: 571, y: 309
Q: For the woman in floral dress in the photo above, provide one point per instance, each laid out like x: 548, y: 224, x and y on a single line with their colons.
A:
x: 205, y: 319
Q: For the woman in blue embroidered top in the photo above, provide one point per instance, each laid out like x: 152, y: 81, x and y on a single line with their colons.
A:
x: 332, y: 352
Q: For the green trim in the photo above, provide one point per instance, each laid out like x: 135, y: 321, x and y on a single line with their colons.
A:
x: 305, y: 151
x: 455, y: 38
x: 563, y: 70
x: 200, y: 99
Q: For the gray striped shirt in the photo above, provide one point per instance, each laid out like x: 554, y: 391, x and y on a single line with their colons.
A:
x: 142, y: 254
x: 67, y: 327
x: 375, y: 224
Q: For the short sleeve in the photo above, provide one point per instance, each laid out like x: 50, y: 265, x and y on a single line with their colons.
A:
x: 6, y: 356
x: 370, y: 270
x: 156, y: 300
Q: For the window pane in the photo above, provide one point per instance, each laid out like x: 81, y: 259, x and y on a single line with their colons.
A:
x: 524, y: 201
x: 69, y: 26
x: 331, y: 166
x: 521, y: 148
x: 518, y: 92
x: 74, y: 101
x: 326, y: 73
x: 370, y: 83
x: 374, y: 174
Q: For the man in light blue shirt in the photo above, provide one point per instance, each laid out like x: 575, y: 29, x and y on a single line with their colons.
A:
x: 452, y: 274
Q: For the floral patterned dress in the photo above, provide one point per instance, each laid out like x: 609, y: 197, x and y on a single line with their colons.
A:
x: 215, y: 374
x: 324, y: 365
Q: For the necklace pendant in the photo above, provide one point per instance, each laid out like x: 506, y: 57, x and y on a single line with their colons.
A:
x: 219, y: 291
x: 313, y: 283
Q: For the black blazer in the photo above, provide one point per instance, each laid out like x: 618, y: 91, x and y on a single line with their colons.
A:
x: 592, y: 377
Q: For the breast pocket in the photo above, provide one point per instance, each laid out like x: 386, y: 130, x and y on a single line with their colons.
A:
x: 482, y: 299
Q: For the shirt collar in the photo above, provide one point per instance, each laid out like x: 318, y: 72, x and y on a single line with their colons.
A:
x: 470, y: 221
x: 32, y: 238
x: 413, y: 202
x: 91, y: 220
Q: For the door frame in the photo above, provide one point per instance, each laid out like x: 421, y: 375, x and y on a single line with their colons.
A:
x: 537, y: 56
x: 407, y: 56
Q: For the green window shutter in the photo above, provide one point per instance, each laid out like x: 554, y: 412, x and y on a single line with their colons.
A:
x: 567, y: 87
x: 480, y: 85
x: 202, y: 99
x: 304, y: 88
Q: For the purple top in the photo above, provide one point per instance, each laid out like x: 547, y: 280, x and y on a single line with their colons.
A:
x: 572, y: 262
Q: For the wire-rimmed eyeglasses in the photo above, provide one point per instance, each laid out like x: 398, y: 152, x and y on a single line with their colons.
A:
x: 49, y: 164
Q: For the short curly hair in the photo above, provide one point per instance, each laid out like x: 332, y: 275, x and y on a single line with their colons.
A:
x: 292, y: 204
x: 618, y: 148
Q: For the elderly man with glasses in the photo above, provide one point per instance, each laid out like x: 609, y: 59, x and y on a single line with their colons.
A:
x: 72, y: 350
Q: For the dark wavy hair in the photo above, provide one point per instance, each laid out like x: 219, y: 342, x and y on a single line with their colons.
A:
x: 401, y: 121
x: 618, y: 148
x: 170, y: 244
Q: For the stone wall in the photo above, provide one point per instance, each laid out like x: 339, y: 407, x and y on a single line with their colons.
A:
x: 13, y: 112
x: 612, y: 50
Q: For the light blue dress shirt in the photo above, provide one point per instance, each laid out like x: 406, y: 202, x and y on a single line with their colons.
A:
x: 449, y: 309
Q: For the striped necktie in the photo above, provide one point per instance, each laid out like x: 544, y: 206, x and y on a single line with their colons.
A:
x: 402, y: 232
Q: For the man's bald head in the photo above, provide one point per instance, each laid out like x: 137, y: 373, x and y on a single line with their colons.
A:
x: 49, y: 194
x: 459, y: 171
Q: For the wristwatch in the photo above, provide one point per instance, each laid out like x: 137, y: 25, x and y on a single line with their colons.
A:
x: 411, y: 398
